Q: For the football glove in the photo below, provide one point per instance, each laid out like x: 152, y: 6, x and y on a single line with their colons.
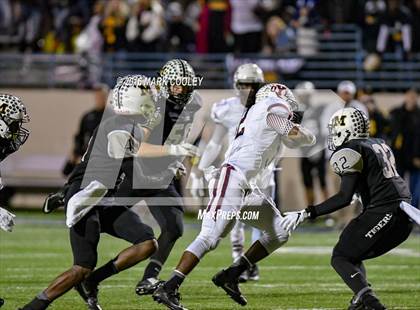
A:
x: 178, y: 169
x: 291, y: 220
x: 183, y: 149
x: 6, y: 220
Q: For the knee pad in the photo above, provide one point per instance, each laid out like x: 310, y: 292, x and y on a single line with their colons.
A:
x: 273, y: 242
x: 203, y: 244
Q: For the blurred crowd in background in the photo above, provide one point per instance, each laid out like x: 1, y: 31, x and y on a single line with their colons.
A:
x: 203, y: 26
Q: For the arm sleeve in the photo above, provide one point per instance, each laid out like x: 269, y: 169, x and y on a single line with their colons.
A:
x: 339, y: 200
x: 121, y: 144
x: 213, y: 148
x: 280, y: 124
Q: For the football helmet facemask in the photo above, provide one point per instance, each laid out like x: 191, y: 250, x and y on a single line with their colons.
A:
x: 12, y: 116
x: 345, y: 125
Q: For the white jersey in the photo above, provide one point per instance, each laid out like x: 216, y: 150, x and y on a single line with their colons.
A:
x: 256, y: 145
x: 228, y: 113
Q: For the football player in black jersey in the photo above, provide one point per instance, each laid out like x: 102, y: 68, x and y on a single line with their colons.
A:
x: 12, y: 135
x: 367, y: 167
x: 183, y: 120
x: 90, y: 207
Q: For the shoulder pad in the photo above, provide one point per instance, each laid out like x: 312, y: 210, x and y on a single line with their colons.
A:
x: 220, y: 110
x: 346, y: 160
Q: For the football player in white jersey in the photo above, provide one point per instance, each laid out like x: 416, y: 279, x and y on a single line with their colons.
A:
x: 226, y: 115
x: 263, y: 129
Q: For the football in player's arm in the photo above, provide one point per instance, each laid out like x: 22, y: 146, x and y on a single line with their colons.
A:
x: 366, y: 166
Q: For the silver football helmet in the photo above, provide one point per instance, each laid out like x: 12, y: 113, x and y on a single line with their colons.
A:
x: 134, y: 95
x: 12, y: 116
x: 347, y: 124
x: 177, y: 73
x: 248, y: 73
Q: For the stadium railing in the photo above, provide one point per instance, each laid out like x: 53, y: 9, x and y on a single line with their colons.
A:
x: 339, y: 56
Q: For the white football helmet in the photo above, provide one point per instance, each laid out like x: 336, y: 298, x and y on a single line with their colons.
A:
x: 277, y: 92
x: 248, y: 73
x: 12, y: 115
x: 347, y: 124
x: 133, y: 95
x: 174, y: 72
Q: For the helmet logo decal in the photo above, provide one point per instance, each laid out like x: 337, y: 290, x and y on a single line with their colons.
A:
x: 339, y: 120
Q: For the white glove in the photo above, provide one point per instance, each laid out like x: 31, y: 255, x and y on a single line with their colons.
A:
x: 197, y: 185
x: 211, y: 172
x: 291, y: 220
x: 178, y: 169
x: 183, y: 149
x: 6, y: 220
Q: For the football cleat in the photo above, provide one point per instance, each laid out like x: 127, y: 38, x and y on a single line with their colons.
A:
x: 230, y: 286
x: 371, y: 302
x: 355, y: 305
x: 168, y: 297
x: 89, y: 292
x: 1, y: 302
x: 253, y: 273
x: 53, y: 202
x: 148, y: 286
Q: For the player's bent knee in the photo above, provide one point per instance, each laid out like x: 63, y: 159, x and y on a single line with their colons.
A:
x: 272, y: 243
x: 79, y: 273
x: 203, y: 244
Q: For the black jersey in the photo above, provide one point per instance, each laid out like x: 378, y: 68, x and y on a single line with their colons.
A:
x: 174, y: 129
x: 5, y: 148
x: 379, y: 182
x: 101, y: 162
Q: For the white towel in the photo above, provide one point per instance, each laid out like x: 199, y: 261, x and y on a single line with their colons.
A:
x: 412, y: 212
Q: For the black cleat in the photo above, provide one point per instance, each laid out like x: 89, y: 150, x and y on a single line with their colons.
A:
x: 253, y: 273
x: 356, y: 305
x: 148, y: 286
x: 371, y: 302
x: 1, y: 302
x: 230, y: 286
x: 89, y: 293
x: 53, y: 201
x: 169, y: 298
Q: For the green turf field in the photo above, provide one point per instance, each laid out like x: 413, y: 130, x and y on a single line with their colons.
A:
x: 299, y: 277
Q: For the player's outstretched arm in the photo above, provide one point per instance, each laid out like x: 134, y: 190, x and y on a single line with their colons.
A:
x: 152, y: 150
x: 338, y: 201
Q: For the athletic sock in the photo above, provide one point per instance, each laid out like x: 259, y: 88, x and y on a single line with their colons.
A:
x: 102, y: 273
x: 238, y: 267
x: 351, y: 274
x: 175, y: 280
x: 40, y: 302
x: 152, y: 269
